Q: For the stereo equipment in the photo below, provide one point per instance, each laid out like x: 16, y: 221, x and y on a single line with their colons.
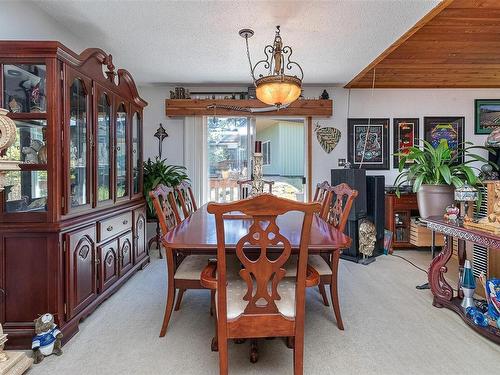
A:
x: 356, y: 179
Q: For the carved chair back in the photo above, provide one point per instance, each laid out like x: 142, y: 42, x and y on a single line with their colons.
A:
x: 321, y: 196
x: 165, y: 207
x: 186, y: 198
x: 339, y: 203
x: 263, y: 271
x: 245, y: 187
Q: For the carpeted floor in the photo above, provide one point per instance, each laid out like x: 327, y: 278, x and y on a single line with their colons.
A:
x: 390, y: 328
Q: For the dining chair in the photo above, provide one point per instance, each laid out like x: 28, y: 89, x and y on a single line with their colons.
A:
x: 185, y: 195
x: 245, y: 187
x: 187, y: 270
x: 261, y: 302
x: 321, y: 196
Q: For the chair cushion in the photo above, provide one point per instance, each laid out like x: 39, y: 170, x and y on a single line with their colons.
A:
x: 237, y: 288
x: 192, y: 265
x: 315, y: 260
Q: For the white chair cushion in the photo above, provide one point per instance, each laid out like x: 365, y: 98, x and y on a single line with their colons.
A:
x: 316, y: 261
x: 237, y: 288
x: 192, y: 266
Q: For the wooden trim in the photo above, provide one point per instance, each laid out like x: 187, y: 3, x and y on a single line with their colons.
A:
x: 309, y: 159
x: 422, y: 22
x: 197, y: 107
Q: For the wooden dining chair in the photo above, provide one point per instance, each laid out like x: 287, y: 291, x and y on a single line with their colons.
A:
x: 245, y: 187
x: 186, y: 199
x: 339, y: 202
x: 188, y: 269
x: 321, y: 196
x: 261, y: 302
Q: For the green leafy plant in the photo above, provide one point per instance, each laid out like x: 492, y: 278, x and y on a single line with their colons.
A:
x: 438, y: 166
x: 158, y: 172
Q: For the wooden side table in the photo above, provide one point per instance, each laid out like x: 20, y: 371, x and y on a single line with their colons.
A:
x: 444, y: 295
x: 398, y: 213
x: 157, y: 237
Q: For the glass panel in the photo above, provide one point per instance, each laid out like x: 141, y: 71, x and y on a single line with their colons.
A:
x: 25, y: 191
x: 227, y: 156
x: 136, y: 152
x: 30, y: 145
x: 121, y: 152
x: 78, y: 143
x: 103, y: 143
x: 24, y: 88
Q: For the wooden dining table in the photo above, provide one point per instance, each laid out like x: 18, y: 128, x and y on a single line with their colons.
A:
x: 197, y: 235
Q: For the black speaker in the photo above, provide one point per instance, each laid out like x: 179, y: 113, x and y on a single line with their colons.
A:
x: 375, y: 196
x: 351, y: 229
x: 356, y: 179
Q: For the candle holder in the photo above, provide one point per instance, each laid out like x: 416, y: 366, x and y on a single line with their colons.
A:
x: 257, y: 182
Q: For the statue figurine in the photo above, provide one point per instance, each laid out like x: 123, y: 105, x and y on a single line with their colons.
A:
x: 324, y: 95
x: 367, y: 237
x: 47, y: 339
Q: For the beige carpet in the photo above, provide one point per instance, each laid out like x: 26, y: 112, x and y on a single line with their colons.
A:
x: 391, y: 328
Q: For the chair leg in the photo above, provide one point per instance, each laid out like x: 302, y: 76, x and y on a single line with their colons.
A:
x: 223, y: 360
x: 334, y: 289
x: 322, y: 291
x: 179, y: 299
x: 170, y: 292
x: 298, y: 356
x: 212, y: 304
x: 254, y: 351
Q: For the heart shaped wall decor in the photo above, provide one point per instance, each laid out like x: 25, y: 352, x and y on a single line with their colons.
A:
x: 328, y: 138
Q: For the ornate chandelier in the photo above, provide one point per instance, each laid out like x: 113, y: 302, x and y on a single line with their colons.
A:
x: 276, y: 84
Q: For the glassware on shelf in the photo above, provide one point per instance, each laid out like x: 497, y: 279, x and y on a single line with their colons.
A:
x: 136, y: 154
x: 121, y: 152
x: 78, y: 143
x: 29, y: 147
x: 103, y: 144
x: 24, y: 88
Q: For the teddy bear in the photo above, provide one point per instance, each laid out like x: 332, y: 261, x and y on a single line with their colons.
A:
x: 47, y: 339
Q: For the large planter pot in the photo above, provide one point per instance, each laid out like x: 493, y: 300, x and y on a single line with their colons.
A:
x: 433, y: 199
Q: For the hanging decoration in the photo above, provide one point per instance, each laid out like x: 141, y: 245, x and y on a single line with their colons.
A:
x: 276, y: 84
x: 327, y: 137
x: 161, y: 134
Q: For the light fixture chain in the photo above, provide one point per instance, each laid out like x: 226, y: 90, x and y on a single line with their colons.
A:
x: 250, y: 61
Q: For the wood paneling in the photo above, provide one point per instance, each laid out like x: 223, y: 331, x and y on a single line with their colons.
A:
x: 456, y: 45
x: 195, y: 107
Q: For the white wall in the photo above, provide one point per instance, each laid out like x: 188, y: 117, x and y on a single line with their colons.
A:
x: 23, y: 20
x: 383, y: 103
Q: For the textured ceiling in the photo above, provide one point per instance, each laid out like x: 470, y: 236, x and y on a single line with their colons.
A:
x: 197, y: 42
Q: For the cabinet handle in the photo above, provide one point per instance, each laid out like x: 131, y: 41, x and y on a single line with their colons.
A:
x: 3, y: 291
x: 97, y: 261
x: 110, y: 228
x: 125, y: 222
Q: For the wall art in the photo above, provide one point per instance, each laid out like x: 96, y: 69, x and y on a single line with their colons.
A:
x: 405, y: 132
x: 368, y: 143
x: 486, y: 115
x: 327, y: 137
x: 450, y: 129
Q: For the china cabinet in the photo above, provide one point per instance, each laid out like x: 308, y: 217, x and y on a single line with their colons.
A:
x: 72, y: 219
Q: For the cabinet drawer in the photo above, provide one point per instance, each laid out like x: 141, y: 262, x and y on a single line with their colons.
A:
x: 406, y: 200
x: 114, y: 225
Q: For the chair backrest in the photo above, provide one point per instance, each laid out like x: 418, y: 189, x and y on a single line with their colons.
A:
x: 261, y: 273
x: 245, y: 187
x: 339, y: 203
x: 186, y: 198
x: 321, y: 196
x: 165, y: 207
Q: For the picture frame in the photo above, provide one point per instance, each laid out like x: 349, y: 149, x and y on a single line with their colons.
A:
x: 486, y: 115
x: 370, y: 152
x: 405, y: 133
x: 449, y: 128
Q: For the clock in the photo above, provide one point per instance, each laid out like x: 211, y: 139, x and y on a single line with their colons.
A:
x: 7, y: 130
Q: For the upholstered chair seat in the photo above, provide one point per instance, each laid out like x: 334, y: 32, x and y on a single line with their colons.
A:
x: 316, y: 261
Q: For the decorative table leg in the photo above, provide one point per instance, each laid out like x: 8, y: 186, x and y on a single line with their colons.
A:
x: 439, y: 287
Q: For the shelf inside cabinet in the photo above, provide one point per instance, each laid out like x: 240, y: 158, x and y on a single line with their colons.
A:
x: 33, y: 167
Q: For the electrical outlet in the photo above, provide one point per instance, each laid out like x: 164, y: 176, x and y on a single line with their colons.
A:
x: 341, y: 162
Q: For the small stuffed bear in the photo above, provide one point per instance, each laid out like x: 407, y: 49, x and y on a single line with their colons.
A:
x: 47, y: 340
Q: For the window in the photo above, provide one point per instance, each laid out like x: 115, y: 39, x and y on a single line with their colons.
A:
x: 266, y: 152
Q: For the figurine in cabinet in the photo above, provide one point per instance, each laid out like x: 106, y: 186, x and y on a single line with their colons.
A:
x: 47, y: 339
x: 35, y: 153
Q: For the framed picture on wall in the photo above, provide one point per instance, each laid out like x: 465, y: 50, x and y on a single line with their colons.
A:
x: 450, y: 129
x: 368, y: 143
x: 486, y: 115
x: 405, y: 133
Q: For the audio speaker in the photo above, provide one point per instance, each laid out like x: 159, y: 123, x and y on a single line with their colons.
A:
x: 356, y: 179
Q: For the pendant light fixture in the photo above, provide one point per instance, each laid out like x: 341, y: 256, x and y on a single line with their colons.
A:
x: 276, y: 84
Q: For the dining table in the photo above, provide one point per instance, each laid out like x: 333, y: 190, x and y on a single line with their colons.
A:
x: 197, y: 235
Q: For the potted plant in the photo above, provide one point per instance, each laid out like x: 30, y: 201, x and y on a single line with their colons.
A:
x: 158, y: 172
x: 434, y: 173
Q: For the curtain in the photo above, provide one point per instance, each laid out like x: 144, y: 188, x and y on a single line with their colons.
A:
x: 195, y: 156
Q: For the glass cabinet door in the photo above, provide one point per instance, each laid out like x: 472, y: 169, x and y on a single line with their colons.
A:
x: 78, y: 144
x: 24, y: 88
x: 136, y: 153
x: 121, y: 152
x: 103, y: 147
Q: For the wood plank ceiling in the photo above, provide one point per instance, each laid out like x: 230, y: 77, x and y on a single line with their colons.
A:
x: 456, y: 45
